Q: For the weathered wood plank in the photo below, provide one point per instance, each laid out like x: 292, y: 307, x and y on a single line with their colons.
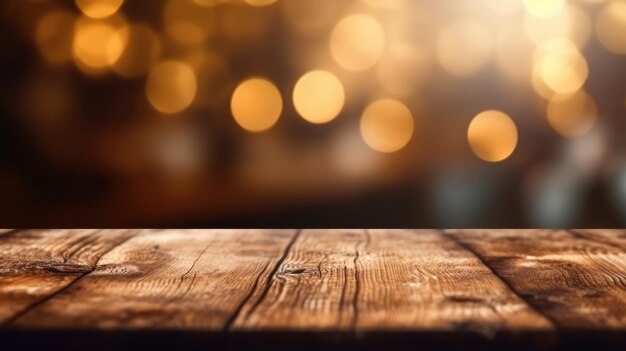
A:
x: 389, y: 279
x: 611, y: 237
x: 167, y: 279
x: 578, y: 283
x: 35, y: 264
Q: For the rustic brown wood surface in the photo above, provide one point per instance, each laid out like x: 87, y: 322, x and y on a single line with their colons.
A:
x: 482, y: 281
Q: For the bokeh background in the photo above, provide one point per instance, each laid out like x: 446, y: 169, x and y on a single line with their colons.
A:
x: 310, y: 113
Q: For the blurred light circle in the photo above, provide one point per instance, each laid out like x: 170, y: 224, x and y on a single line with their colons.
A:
x: 53, y: 36
x: 572, y: 115
x: 259, y: 3
x: 386, y: 125
x: 464, y: 48
x: 492, y: 136
x: 99, y: 8
x: 357, y: 42
x: 256, y: 104
x: 171, y: 86
x: 611, y: 26
x: 142, y: 50
x: 318, y: 96
x: 544, y: 8
x: 561, y: 66
x: 98, y: 44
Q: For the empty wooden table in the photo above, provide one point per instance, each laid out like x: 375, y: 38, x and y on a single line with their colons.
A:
x: 339, y: 288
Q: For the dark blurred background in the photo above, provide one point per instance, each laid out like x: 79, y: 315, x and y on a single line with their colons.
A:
x: 309, y: 113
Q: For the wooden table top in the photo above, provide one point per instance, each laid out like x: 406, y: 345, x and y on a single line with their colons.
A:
x: 355, y: 283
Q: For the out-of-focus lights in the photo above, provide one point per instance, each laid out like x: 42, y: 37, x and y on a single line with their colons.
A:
x: 99, y: 8
x: 492, y: 136
x: 357, y: 42
x: 386, y: 125
x: 544, y: 8
x: 259, y: 3
x: 572, y: 115
x: 504, y: 7
x: 464, y: 48
x: 186, y: 22
x: 318, y: 96
x: 143, y: 48
x: 98, y: 43
x: 561, y: 66
x: 171, y: 86
x: 53, y: 36
x: 256, y: 104
x: 572, y: 23
x: 611, y: 26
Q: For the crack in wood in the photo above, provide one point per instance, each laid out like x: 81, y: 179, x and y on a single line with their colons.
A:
x: 523, y: 297
x: 272, y: 275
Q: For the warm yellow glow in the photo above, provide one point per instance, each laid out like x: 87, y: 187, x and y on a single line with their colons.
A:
x: 357, y: 42
x: 561, y: 66
x: 187, y: 23
x: 505, y: 7
x: 492, y: 135
x: 143, y: 48
x: 464, y: 48
x: 386, y: 125
x: 53, y: 36
x: 513, y: 53
x: 98, y: 44
x: 256, y: 104
x: 403, y: 68
x: 99, y: 8
x: 611, y: 26
x: 260, y: 2
x: 318, y: 96
x: 572, y: 24
x: 387, y: 4
x: 171, y: 86
x: 544, y: 8
x: 572, y: 115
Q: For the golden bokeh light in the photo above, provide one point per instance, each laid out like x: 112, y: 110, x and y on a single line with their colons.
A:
x: 99, y: 8
x: 143, y: 49
x: 53, y: 36
x: 256, y: 104
x: 386, y: 125
x: 572, y: 115
x: 259, y: 3
x: 492, y: 136
x: 171, y: 86
x: 504, y: 7
x: 560, y: 65
x: 186, y: 22
x: 318, y: 96
x: 357, y: 42
x: 572, y: 24
x: 403, y: 69
x: 544, y: 8
x: 464, y: 48
x: 98, y: 44
x: 611, y: 26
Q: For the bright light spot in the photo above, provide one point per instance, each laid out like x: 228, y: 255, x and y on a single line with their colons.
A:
x: 357, y: 42
x: 492, y: 135
x: 560, y: 65
x: 544, y: 8
x: 53, y: 36
x: 260, y: 2
x: 143, y: 48
x: 256, y: 104
x: 464, y: 48
x: 171, y: 86
x: 99, y: 8
x: 98, y: 44
x: 572, y: 115
x: 318, y: 96
x: 387, y: 125
x: 611, y: 26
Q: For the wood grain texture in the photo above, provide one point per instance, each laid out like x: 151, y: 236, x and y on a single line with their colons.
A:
x: 611, y: 237
x: 386, y: 279
x: 34, y: 264
x: 167, y: 279
x: 576, y: 282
